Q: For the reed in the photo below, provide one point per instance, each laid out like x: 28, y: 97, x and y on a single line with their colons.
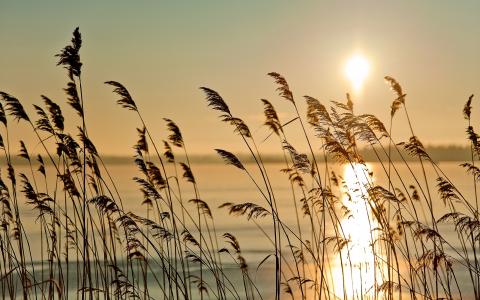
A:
x: 414, y: 235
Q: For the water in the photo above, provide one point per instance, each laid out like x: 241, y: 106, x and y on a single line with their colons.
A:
x: 219, y: 183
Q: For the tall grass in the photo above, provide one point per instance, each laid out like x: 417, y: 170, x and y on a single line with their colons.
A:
x: 351, y: 238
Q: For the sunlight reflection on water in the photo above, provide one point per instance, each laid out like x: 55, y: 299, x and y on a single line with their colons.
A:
x: 356, y: 269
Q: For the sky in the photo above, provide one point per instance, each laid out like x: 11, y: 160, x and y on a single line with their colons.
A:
x: 163, y: 51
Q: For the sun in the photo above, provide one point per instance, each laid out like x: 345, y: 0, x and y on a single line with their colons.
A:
x: 356, y: 70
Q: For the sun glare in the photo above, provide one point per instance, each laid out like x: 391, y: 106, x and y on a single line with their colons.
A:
x: 360, y: 270
x: 356, y: 70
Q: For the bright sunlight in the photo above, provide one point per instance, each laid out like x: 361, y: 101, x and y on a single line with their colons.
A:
x: 359, y: 268
x: 356, y: 70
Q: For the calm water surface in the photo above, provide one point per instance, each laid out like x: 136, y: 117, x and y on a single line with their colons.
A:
x: 219, y: 183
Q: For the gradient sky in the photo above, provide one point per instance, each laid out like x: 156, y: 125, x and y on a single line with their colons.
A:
x: 162, y: 51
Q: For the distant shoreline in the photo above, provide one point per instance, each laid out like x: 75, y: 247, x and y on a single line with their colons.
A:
x: 437, y: 153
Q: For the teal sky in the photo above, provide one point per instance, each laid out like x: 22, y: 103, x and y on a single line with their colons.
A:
x: 162, y: 51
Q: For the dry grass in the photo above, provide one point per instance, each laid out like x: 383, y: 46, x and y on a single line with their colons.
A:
x: 115, y: 253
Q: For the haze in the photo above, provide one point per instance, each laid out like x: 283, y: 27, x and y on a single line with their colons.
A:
x: 163, y: 51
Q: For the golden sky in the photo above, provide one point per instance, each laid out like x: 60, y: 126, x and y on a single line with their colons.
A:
x: 163, y: 51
